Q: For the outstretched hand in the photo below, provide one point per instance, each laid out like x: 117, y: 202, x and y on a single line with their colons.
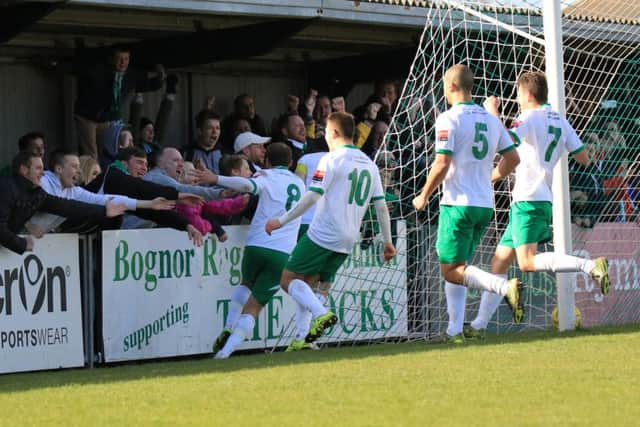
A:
x: 272, y: 225
x: 194, y: 235
x: 190, y: 199
x: 204, y: 176
x: 35, y: 230
x: 162, y: 204
x: 114, y: 209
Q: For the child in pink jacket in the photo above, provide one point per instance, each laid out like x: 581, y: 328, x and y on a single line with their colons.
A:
x: 222, y: 207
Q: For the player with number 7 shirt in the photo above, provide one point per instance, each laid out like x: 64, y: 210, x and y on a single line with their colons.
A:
x: 542, y: 137
x: 343, y: 185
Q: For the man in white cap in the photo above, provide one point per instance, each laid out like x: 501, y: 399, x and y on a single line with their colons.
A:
x: 252, y: 146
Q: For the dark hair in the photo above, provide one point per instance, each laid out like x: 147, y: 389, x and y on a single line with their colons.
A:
x: 344, y: 123
x: 205, y: 115
x: 239, y: 98
x: 279, y: 154
x: 127, y: 153
x: 380, y: 84
x: 144, y: 122
x: 23, y: 158
x: 121, y: 49
x: 57, y: 158
x: 536, y: 84
x: 283, y: 119
x: 230, y: 162
x: 27, y: 139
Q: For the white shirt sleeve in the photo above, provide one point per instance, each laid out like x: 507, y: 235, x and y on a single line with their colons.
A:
x: 573, y: 144
x: 322, y: 177
x: 445, y: 135
x: 505, y: 143
x: 86, y: 196
x: 378, y: 191
x: 520, y: 129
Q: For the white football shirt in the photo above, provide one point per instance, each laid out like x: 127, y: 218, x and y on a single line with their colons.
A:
x: 471, y: 136
x: 542, y: 136
x: 348, y: 181
x: 279, y: 190
x: 308, y: 164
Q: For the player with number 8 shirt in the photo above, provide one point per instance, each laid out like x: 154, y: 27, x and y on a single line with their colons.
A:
x: 344, y: 183
x: 265, y: 255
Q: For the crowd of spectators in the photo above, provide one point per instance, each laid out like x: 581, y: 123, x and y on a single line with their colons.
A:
x: 128, y: 167
x: 607, y: 189
x: 127, y: 176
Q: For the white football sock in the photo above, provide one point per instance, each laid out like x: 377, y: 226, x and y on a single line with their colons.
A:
x: 244, y: 328
x: 303, y: 317
x: 239, y: 298
x: 489, y: 303
x: 456, y: 299
x: 478, y: 279
x: 561, y: 263
x: 303, y: 321
x: 303, y: 295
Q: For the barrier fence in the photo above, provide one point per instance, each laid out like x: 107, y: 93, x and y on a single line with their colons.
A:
x: 139, y: 294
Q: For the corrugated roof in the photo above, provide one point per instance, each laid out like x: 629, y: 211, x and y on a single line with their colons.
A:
x: 619, y: 11
x: 613, y: 11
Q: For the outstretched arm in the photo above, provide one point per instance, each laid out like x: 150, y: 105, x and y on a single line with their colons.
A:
x: 308, y: 199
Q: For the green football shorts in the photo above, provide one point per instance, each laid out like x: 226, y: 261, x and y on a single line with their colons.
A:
x: 309, y: 259
x: 529, y: 222
x: 262, y: 268
x: 460, y: 229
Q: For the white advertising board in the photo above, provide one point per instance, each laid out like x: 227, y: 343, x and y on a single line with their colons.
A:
x: 163, y: 297
x: 40, y: 306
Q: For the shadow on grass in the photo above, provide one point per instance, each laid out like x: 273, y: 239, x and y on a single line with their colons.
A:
x: 201, y: 365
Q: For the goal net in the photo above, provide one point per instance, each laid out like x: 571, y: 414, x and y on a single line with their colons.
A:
x: 499, y: 40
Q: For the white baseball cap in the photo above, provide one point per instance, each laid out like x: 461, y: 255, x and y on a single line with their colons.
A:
x: 246, y: 139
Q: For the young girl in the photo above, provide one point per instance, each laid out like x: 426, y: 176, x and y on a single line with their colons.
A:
x: 193, y: 213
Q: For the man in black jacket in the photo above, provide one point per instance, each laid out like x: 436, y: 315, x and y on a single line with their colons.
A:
x: 124, y: 177
x: 21, y: 197
x: 101, y: 92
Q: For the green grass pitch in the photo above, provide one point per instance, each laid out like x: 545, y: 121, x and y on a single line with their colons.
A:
x: 587, y: 377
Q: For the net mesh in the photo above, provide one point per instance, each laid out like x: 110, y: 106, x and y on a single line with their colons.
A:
x: 500, y: 40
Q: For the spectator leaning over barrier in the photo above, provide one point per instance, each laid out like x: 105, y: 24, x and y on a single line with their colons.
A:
x: 203, y: 217
x: 252, y: 146
x: 124, y: 177
x: 101, y: 91
x: 204, y: 152
x: 169, y: 169
x: 61, y: 179
x: 21, y: 196
x: 32, y: 142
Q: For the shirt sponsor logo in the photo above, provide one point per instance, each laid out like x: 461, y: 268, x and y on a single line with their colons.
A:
x: 443, y: 135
